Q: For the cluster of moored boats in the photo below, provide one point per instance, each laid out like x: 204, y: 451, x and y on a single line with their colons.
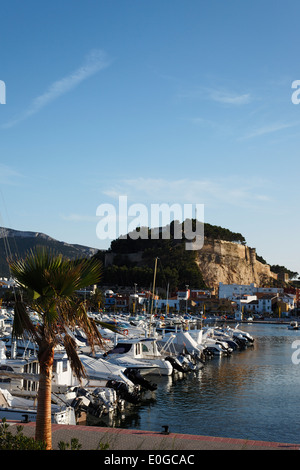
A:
x: 121, y: 375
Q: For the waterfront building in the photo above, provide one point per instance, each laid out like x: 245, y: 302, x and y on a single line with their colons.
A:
x: 235, y: 291
x: 183, y: 295
x: 200, y: 294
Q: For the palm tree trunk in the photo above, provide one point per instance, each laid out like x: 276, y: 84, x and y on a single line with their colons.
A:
x: 43, y: 429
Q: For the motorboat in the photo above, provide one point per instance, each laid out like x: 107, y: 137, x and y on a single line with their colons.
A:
x: 240, y: 337
x: 24, y: 410
x: 98, y: 403
x: 181, y: 347
x: 99, y: 371
x: 225, y: 337
x: 212, y: 344
x: 217, y: 347
x: 142, y: 354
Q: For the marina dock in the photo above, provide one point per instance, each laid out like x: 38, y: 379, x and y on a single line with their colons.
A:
x: 118, y: 439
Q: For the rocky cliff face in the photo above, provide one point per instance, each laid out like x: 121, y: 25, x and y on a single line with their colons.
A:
x: 227, y: 262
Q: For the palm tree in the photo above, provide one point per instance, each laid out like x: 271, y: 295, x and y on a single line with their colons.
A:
x: 50, y: 282
x: 96, y: 300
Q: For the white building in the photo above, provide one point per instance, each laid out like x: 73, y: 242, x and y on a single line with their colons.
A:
x: 262, y: 303
x: 244, y: 302
x: 236, y: 291
x: 289, y: 300
x: 265, y: 303
x: 183, y: 294
x: 262, y: 300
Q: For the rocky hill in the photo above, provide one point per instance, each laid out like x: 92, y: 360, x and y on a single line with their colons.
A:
x: 17, y: 243
x: 217, y: 261
x: 224, y: 257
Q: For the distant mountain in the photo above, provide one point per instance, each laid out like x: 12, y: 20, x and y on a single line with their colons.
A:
x: 17, y: 243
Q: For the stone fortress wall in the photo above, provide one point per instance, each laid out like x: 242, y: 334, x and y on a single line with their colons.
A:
x: 231, y: 263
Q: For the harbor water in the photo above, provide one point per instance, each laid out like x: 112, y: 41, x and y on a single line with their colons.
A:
x: 253, y: 394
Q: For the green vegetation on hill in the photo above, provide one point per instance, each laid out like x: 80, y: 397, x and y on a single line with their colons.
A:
x: 176, y: 267
x: 275, y: 268
x: 130, y: 245
x: 220, y: 233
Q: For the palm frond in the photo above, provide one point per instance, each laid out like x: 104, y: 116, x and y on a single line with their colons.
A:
x: 70, y: 347
x: 89, y: 327
x: 30, y: 271
x: 22, y: 322
x: 109, y: 326
x: 46, y: 272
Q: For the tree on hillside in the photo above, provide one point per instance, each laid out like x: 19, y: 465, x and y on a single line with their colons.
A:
x: 275, y: 268
x: 50, y: 282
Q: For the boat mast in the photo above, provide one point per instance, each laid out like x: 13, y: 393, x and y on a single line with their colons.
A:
x: 167, y: 305
x: 153, y: 293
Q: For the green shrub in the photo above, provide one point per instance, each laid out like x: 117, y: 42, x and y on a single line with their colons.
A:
x: 18, y: 441
x: 9, y: 441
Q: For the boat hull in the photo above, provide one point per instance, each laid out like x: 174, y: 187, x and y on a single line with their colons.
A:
x: 66, y: 416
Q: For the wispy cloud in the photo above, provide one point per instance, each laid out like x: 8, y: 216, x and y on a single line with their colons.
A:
x: 230, y: 98
x: 269, y: 129
x: 234, y: 191
x: 94, y: 62
x: 222, y: 96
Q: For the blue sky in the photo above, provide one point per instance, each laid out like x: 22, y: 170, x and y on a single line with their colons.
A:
x: 162, y: 101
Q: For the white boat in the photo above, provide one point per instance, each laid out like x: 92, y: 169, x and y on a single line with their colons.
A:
x: 242, y: 338
x: 241, y: 335
x: 183, y: 347
x: 142, y: 354
x: 14, y: 408
x: 99, y: 371
x: 217, y: 347
x: 97, y: 403
x: 213, y: 344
